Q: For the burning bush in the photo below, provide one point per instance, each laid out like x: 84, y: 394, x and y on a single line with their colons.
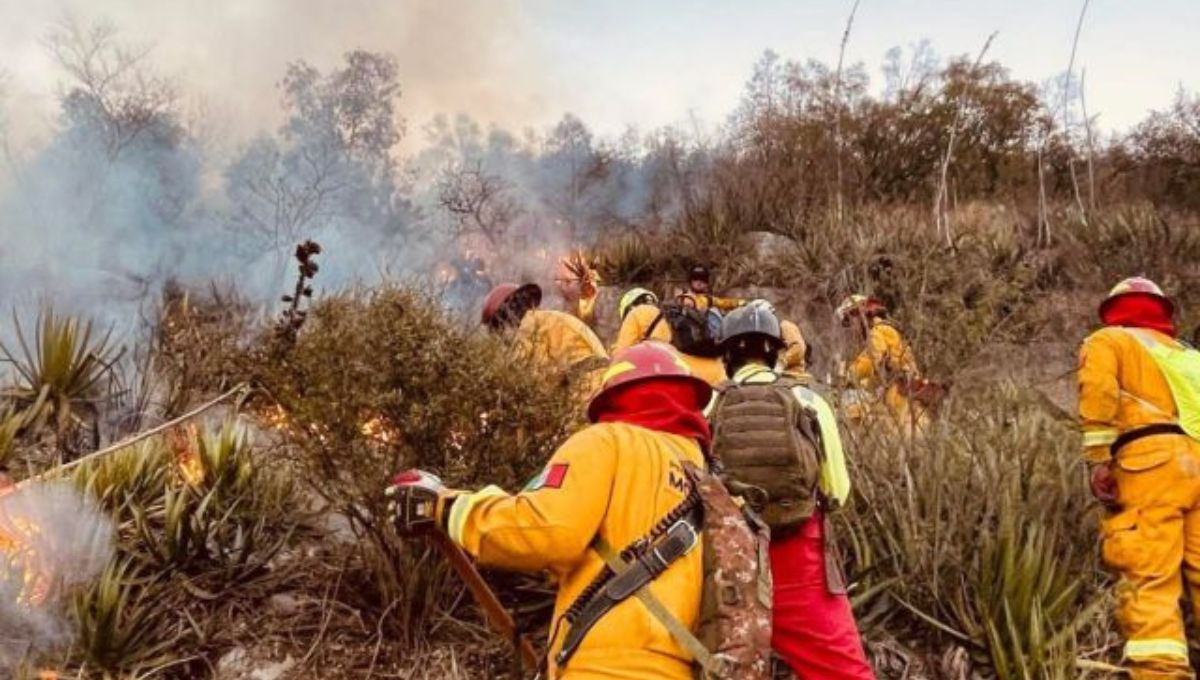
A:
x: 385, y: 379
x: 201, y: 518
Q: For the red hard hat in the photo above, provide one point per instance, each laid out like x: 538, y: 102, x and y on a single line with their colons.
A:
x: 647, y: 361
x: 1135, y: 286
x: 501, y: 294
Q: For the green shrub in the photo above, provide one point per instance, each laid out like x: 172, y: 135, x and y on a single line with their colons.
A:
x: 385, y: 379
x: 979, y: 533
x: 63, y: 373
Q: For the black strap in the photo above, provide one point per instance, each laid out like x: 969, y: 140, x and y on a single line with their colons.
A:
x: 645, y: 565
x: 1143, y: 432
x: 650, y: 331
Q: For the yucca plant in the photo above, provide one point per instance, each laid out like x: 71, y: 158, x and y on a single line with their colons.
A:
x: 633, y: 258
x: 225, y: 458
x: 135, y: 476
x: 971, y: 533
x: 124, y: 622
x: 224, y: 523
x: 12, y: 423
x: 62, y: 371
x: 1028, y: 598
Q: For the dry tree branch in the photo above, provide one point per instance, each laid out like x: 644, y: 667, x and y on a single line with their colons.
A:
x: 837, y: 116
x: 940, y: 219
x: 1091, y: 144
x: 1066, y: 112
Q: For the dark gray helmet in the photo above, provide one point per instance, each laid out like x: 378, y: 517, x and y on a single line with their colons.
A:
x: 756, y: 318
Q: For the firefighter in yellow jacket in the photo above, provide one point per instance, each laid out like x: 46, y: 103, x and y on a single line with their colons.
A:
x: 793, y: 360
x: 611, y: 482
x: 642, y: 319
x: 700, y: 287
x: 546, y: 336
x: 1139, y: 409
x: 885, y: 366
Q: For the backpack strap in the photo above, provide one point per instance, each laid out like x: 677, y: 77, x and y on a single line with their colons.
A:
x: 713, y: 666
x: 650, y: 331
x: 629, y: 573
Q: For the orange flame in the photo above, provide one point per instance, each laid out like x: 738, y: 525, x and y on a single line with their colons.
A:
x: 182, y: 442
x: 275, y: 418
x: 380, y: 429
x: 36, y: 578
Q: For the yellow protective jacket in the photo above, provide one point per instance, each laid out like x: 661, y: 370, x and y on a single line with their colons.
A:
x: 835, y: 475
x: 1121, y: 389
x: 563, y: 341
x: 637, y: 324
x: 611, y: 480
x: 795, y: 349
x: 721, y: 304
x: 885, y: 358
x: 557, y: 338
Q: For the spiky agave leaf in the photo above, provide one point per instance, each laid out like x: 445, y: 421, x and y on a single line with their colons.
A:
x: 63, y: 371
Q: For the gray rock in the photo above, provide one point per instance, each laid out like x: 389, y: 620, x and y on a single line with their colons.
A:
x: 273, y: 671
x: 283, y: 604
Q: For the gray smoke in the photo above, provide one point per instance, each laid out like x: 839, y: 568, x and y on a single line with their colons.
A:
x: 129, y: 192
x: 52, y: 538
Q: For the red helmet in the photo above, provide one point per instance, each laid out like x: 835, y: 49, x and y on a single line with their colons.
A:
x: 502, y: 294
x: 1136, y: 286
x: 647, y: 361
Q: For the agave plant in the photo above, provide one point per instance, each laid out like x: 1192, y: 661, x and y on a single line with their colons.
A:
x: 63, y: 371
x: 133, y: 476
x: 12, y: 423
x: 124, y: 623
x: 972, y: 533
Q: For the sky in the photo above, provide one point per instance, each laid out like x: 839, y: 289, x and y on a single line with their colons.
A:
x: 615, y: 64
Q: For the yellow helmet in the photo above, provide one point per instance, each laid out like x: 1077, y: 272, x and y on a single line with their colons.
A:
x: 633, y: 298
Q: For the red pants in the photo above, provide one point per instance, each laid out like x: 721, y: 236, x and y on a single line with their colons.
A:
x: 814, y: 631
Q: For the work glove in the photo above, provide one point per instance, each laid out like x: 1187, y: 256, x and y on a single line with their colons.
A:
x: 418, y: 501
x: 1104, y: 484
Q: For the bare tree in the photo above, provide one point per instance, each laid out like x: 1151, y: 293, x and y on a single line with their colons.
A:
x: 332, y: 159
x: 941, y: 220
x: 478, y: 201
x: 837, y: 116
x: 110, y: 82
x: 1066, y: 110
x: 1091, y: 142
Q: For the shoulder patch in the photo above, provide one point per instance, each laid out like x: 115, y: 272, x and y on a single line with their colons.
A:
x: 550, y: 478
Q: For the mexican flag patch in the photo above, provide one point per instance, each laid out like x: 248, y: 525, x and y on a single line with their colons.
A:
x: 550, y: 478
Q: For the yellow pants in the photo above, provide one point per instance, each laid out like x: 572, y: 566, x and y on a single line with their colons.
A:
x: 894, y: 410
x: 1153, y: 543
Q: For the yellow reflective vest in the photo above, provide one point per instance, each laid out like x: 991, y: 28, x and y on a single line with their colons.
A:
x: 1125, y: 384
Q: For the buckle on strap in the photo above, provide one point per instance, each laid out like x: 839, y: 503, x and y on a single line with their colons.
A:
x: 648, y: 563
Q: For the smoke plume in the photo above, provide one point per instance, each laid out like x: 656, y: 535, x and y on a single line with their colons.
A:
x: 51, y: 539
